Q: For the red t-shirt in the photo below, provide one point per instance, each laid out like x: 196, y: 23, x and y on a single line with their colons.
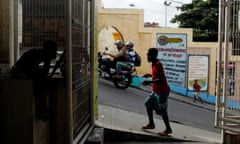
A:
x: 197, y: 87
x: 158, y: 73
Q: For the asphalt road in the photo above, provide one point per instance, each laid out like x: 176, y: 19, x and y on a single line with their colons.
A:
x: 132, y: 99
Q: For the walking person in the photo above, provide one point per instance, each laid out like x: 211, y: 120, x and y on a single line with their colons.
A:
x: 158, y: 99
x: 197, y: 89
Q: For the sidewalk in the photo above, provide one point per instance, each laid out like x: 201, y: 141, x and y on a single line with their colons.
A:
x: 122, y: 121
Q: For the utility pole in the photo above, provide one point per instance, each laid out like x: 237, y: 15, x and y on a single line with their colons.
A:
x: 166, y: 3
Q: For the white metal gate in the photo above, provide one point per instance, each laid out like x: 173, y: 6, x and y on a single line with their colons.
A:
x: 228, y: 68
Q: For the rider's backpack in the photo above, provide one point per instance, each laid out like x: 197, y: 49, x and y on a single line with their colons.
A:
x: 137, y: 61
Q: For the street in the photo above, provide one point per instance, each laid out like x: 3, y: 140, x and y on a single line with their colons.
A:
x: 132, y: 99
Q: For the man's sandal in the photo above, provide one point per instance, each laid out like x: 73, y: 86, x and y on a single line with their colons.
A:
x: 165, y: 133
x: 149, y: 126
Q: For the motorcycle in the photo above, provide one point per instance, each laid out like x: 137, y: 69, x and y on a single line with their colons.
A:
x: 107, y: 69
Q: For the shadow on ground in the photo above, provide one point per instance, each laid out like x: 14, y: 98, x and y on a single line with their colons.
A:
x: 116, y: 136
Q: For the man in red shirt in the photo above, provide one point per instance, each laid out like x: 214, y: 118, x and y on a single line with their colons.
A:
x: 158, y: 99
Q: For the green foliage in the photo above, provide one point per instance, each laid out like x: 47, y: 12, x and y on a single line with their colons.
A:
x: 202, y: 16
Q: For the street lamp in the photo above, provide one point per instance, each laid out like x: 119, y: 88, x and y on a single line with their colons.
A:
x: 132, y: 5
x: 166, y: 3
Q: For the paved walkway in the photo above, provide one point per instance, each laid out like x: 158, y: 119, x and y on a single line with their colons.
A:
x: 126, y: 121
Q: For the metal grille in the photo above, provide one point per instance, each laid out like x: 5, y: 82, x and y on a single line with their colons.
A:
x: 80, y: 64
x: 46, y: 19
x: 228, y: 92
x: 43, y: 20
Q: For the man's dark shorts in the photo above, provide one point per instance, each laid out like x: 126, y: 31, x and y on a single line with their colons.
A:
x: 157, y: 102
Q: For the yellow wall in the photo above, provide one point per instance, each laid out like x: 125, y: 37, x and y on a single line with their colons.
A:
x: 130, y: 23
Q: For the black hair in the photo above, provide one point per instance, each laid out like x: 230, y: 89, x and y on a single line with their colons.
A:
x: 153, y: 52
x: 50, y: 45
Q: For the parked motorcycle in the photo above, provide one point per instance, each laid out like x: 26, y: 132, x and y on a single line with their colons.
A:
x: 107, y: 69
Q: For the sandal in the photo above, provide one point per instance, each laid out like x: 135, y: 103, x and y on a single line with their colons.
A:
x: 165, y: 133
x: 149, y: 126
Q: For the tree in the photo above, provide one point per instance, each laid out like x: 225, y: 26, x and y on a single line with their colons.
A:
x: 202, y: 16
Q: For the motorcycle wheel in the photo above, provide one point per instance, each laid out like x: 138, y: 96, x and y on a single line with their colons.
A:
x: 124, y: 82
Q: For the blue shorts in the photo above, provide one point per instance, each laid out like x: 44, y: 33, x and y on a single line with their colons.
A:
x: 157, y: 102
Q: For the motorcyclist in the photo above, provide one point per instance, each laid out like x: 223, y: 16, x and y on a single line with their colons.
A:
x: 129, y: 64
x: 121, y: 57
x: 131, y: 52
